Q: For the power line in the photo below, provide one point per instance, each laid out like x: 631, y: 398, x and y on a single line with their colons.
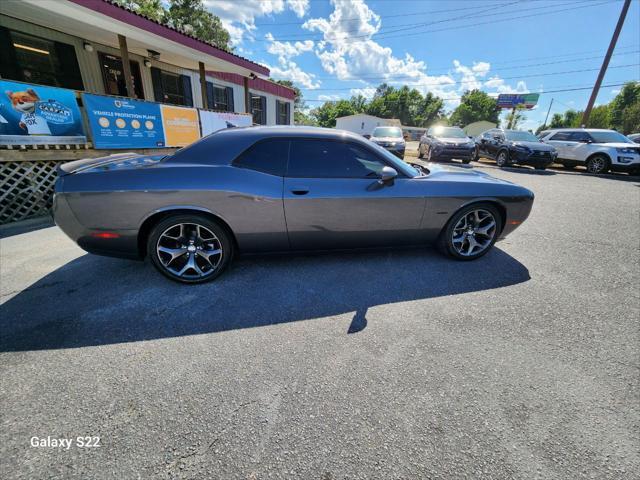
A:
x: 462, y: 82
x: 457, y: 97
x: 493, y: 21
x: 407, y: 26
x: 447, y: 70
x: 274, y: 24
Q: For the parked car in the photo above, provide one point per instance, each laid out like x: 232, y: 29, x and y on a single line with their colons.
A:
x: 390, y: 138
x: 598, y: 150
x: 634, y: 137
x: 509, y: 147
x: 446, y: 143
x: 260, y: 189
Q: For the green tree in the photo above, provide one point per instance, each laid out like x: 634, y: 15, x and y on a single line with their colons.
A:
x: 475, y: 105
x: 600, y: 117
x: 326, y: 114
x: 407, y: 105
x: 515, y: 117
x: 624, y: 109
x: 192, y: 17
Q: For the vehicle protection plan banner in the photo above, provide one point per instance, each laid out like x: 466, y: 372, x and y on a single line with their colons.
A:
x: 214, y: 121
x: 35, y: 114
x: 123, y: 122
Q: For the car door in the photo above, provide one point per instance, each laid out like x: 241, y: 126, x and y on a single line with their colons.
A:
x: 580, y: 147
x: 496, y: 139
x: 483, y: 144
x: 560, y: 141
x: 333, y: 198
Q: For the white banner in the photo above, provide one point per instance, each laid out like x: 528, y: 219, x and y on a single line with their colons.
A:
x: 214, y: 121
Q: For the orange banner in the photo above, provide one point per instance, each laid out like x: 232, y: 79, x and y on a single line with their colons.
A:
x: 181, y: 126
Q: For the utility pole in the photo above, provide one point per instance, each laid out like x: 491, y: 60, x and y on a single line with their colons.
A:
x: 548, y: 112
x: 605, y: 63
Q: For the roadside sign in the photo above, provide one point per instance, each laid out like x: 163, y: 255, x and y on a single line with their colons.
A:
x: 512, y: 100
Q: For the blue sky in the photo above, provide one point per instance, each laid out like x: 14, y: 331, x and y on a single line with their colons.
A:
x: 333, y: 49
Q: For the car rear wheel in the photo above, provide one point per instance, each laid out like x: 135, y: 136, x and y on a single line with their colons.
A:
x: 471, y: 232
x: 597, y: 164
x: 190, y: 248
x: 502, y: 160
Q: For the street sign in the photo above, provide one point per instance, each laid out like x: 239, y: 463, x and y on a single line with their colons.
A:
x: 512, y: 100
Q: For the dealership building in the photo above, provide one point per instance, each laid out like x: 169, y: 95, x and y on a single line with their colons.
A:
x: 99, y: 47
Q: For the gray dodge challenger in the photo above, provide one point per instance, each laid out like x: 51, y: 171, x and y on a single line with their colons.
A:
x: 270, y: 189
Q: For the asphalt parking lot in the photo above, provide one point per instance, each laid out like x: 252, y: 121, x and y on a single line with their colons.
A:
x: 380, y: 364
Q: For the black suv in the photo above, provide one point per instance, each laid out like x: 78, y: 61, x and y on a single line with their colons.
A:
x: 508, y: 147
x: 446, y: 143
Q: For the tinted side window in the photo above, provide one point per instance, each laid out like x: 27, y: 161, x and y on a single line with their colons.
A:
x: 269, y: 156
x: 561, y: 136
x: 332, y: 159
x: 579, y: 137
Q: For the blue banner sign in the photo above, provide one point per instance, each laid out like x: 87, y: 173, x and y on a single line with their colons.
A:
x: 123, y: 122
x: 35, y: 114
x: 512, y: 100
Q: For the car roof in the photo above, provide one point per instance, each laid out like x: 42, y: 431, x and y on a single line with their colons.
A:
x: 228, y: 143
x: 580, y: 130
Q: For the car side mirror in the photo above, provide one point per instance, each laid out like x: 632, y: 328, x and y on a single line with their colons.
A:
x: 387, y: 176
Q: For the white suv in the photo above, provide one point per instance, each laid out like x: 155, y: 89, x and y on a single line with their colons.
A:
x: 599, y: 150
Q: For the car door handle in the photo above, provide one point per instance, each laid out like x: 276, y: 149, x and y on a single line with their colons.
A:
x: 300, y: 190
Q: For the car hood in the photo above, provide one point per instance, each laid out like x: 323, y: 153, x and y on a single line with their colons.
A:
x: 454, y: 140
x: 620, y: 145
x: 456, y: 174
x: 386, y: 139
x: 117, y: 161
x: 535, y: 146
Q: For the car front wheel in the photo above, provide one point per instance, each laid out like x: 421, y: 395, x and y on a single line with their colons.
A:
x: 597, y: 164
x: 190, y: 248
x: 502, y: 160
x: 471, y: 232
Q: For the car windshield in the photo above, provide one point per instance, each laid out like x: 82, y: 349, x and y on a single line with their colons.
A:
x: 387, y: 132
x: 609, y: 137
x: 520, y: 136
x: 448, y: 132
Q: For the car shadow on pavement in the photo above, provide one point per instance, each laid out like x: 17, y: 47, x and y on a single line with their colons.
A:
x: 99, y: 301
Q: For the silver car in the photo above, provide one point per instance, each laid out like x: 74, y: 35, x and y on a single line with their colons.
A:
x: 266, y: 189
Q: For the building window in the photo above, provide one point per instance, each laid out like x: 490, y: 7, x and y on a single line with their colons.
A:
x: 169, y: 87
x: 32, y: 59
x: 283, y: 111
x: 259, y: 109
x: 113, y: 76
x: 220, y: 98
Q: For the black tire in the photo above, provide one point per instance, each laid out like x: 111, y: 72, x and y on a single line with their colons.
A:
x: 221, y: 240
x: 502, y: 159
x: 597, y: 164
x: 476, y: 157
x: 420, y: 154
x: 445, y: 240
x: 466, y: 161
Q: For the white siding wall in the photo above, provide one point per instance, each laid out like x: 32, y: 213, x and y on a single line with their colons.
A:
x: 363, y: 124
x: 92, y: 74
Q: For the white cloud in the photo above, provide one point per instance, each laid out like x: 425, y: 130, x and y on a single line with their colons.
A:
x: 327, y: 98
x: 348, y: 51
x: 501, y: 86
x: 481, y: 68
x: 367, y: 92
x: 239, y: 17
x: 287, y: 69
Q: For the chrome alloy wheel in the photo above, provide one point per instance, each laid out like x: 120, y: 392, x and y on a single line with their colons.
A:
x: 474, y: 232
x: 189, y: 250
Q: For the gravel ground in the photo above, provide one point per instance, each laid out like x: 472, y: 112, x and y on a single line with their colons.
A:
x: 523, y: 364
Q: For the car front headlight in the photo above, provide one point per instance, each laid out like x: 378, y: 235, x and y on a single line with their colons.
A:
x: 626, y: 150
